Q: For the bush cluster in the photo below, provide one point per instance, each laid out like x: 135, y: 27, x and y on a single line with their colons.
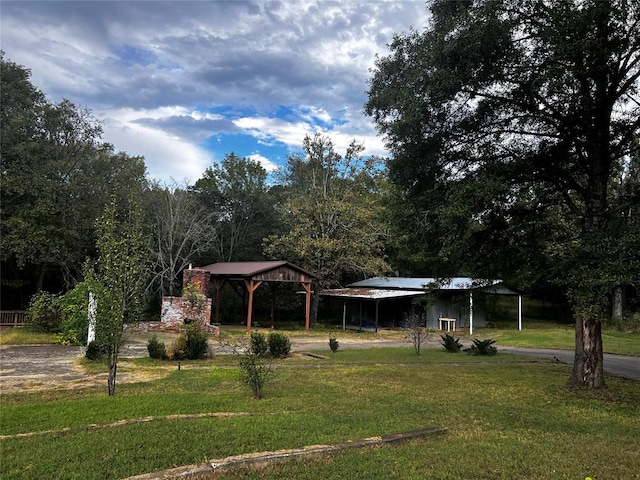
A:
x: 45, y: 312
x: 191, y: 345
x: 258, y: 343
x: 279, y: 345
x: 157, y: 349
x: 333, y: 344
x: 276, y: 344
x: 482, y: 347
x: 450, y: 343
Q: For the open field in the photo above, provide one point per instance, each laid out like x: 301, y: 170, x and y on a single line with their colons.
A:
x: 507, y: 417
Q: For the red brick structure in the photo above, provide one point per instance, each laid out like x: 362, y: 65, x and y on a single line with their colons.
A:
x: 193, y: 306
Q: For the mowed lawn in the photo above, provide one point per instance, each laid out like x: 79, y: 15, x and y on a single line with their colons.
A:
x: 507, y: 418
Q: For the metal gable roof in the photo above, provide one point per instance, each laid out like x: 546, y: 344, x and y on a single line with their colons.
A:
x: 250, y: 269
x: 370, y: 293
x: 418, y: 283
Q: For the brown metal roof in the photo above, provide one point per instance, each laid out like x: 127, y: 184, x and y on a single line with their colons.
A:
x: 268, y: 271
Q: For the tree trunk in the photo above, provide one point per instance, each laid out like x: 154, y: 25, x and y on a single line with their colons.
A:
x: 113, y: 368
x: 588, y: 364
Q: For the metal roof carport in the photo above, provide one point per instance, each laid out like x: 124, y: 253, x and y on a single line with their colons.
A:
x: 421, y: 285
x: 253, y: 274
x: 373, y: 294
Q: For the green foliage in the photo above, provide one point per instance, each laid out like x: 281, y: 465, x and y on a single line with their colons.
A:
x: 45, y: 312
x: 120, y: 274
x: 178, y: 347
x: 514, y: 153
x: 450, y: 343
x: 258, y: 343
x: 191, y: 345
x: 279, y: 345
x: 237, y: 187
x: 75, y: 309
x: 157, y: 349
x: 482, y: 347
x: 52, y: 156
x: 255, y: 372
x: 333, y: 344
x: 333, y: 213
x: 196, y: 347
x: 69, y: 337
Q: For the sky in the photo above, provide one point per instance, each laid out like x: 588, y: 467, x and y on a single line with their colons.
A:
x: 184, y: 83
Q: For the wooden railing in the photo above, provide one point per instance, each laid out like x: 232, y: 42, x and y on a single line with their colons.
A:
x: 12, y: 318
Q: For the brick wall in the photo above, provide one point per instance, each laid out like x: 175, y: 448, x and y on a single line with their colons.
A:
x: 176, y: 310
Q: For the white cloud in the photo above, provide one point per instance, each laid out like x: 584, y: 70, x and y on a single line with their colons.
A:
x: 267, y: 164
x: 166, y: 156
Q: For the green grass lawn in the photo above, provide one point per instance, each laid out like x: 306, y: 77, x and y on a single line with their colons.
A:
x: 507, y: 418
x: 549, y: 335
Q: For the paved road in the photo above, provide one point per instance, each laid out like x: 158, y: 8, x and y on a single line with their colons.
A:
x: 47, y: 366
x: 620, y: 365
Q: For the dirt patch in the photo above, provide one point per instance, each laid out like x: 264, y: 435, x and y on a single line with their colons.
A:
x: 44, y: 367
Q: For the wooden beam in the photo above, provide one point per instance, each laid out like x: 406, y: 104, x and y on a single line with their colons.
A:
x: 307, y: 289
x: 251, y: 287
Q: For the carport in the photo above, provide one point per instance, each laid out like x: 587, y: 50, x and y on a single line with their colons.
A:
x: 367, y: 294
x: 253, y: 274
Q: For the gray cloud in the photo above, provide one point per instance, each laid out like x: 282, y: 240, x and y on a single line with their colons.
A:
x: 115, y: 56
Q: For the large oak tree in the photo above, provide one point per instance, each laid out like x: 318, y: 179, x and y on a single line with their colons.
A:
x: 507, y: 116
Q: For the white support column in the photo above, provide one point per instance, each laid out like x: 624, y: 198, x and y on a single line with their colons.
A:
x: 519, y: 312
x: 470, y: 312
x: 91, y: 314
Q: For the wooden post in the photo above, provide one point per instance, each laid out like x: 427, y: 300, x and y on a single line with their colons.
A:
x: 307, y: 289
x: 251, y: 287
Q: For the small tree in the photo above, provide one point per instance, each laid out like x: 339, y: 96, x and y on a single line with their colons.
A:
x: 120, y: 278
x: 255, y: 368
x: 416, y: 331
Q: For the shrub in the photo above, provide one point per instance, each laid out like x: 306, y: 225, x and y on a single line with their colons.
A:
x: 279, y: 345
x: 483, y: 347
x: 450, y: 343
x: 95, y: 351
x: 255, y: 371
x: 156, y: 348
x: 333, y: 344
x: 75, y: 310
x: 259, y: 344
x: 178, y: 347
x: 45, y: 312
x: 191, y: 345
x: 196, y: 346
x: 68, y: 337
